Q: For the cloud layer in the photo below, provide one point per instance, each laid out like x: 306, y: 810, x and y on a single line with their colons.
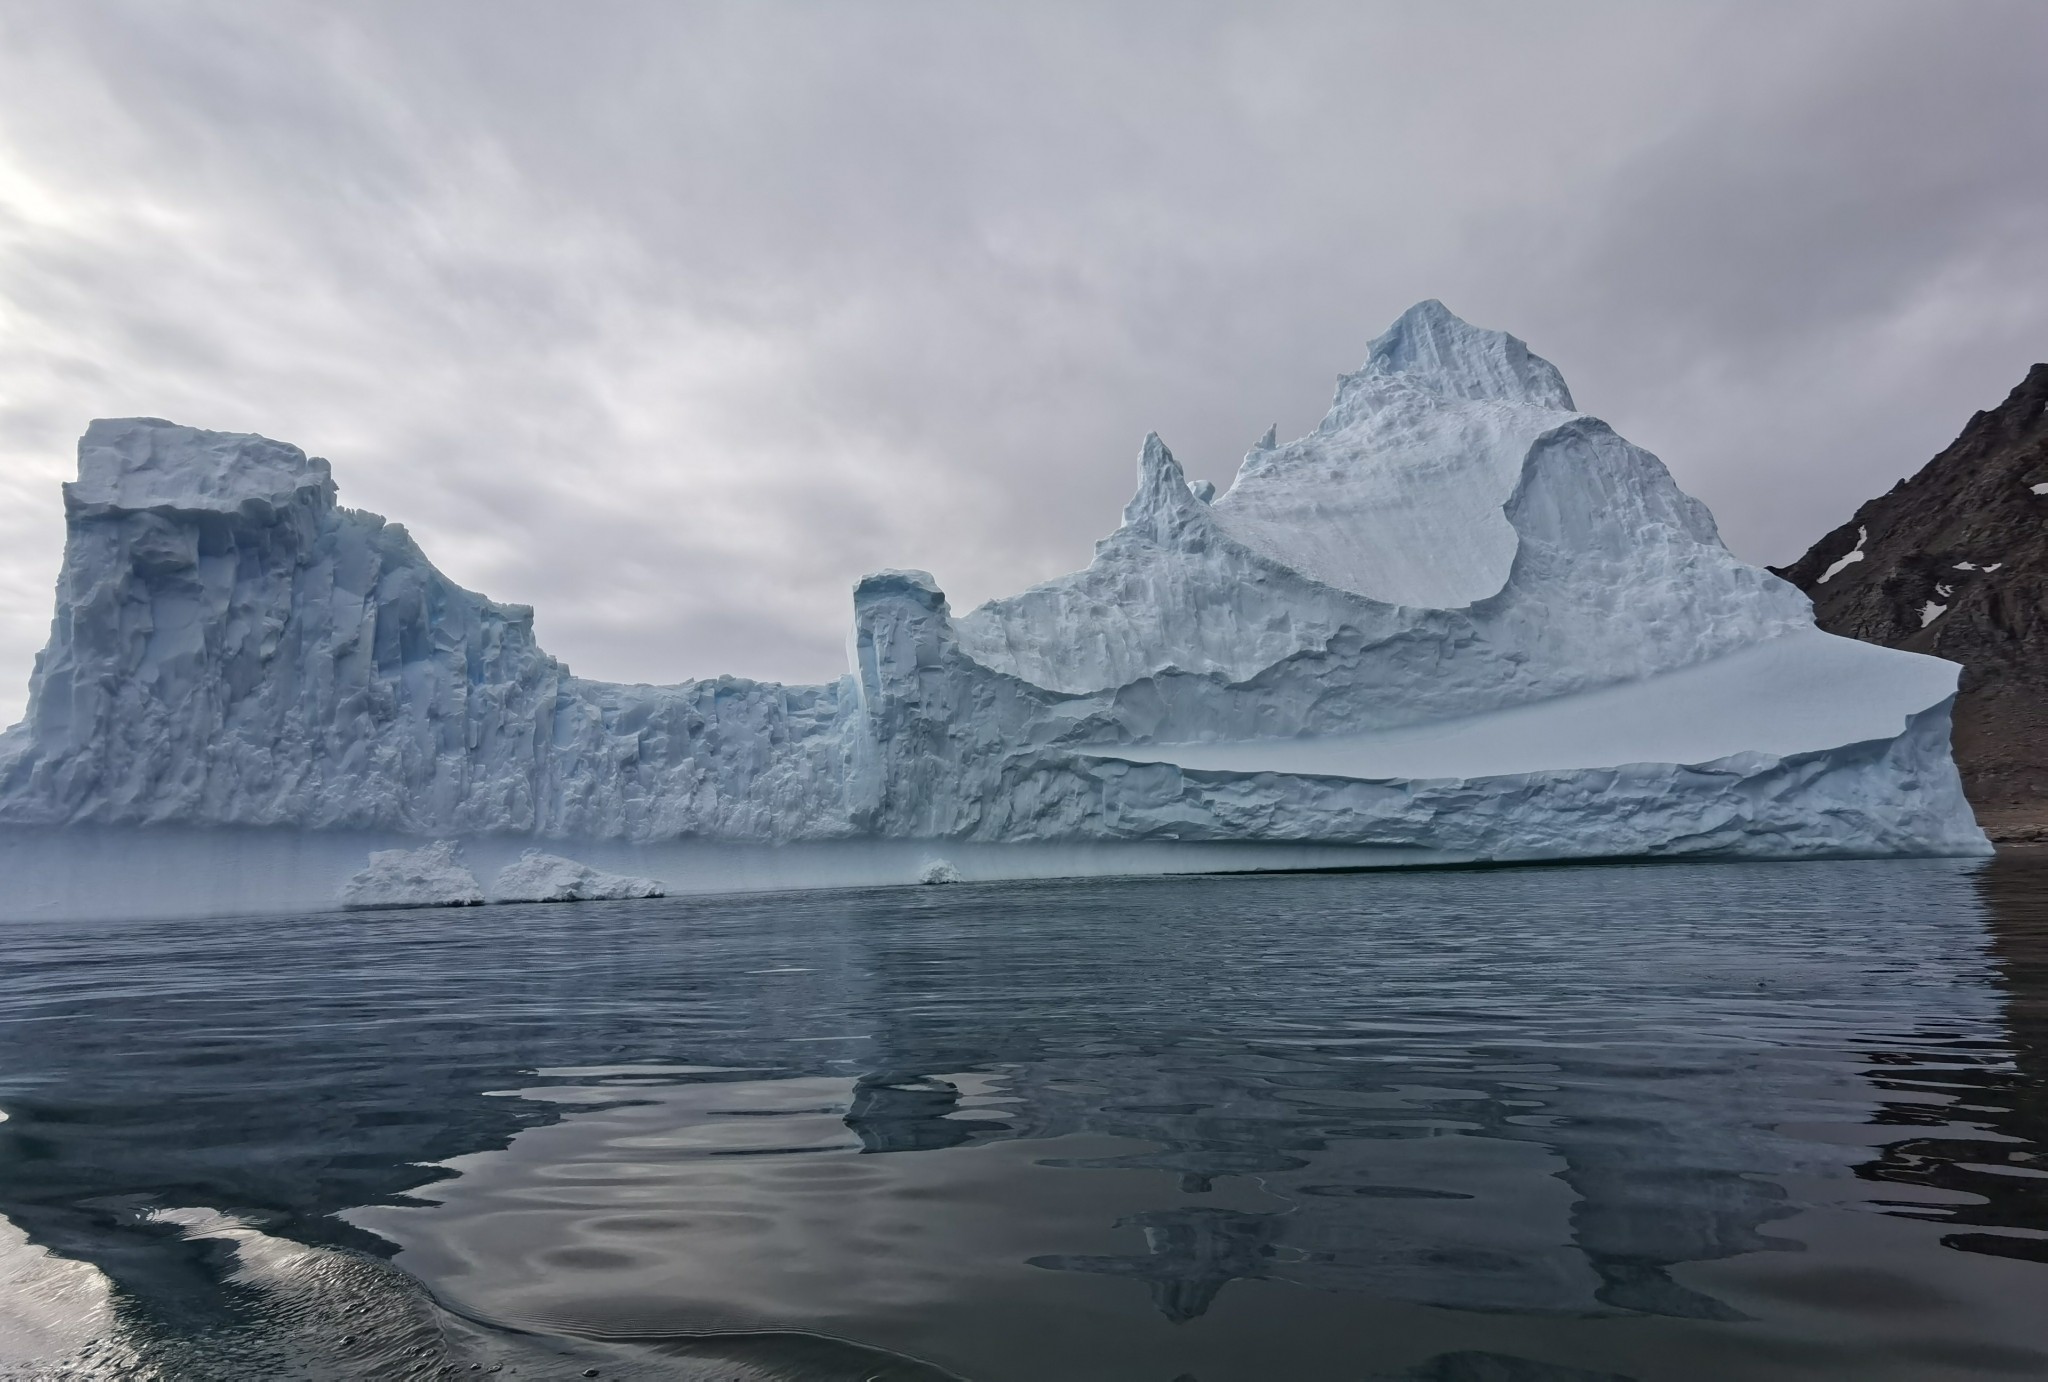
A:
x: 673, y: 320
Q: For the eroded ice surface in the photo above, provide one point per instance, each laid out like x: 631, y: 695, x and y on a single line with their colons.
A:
x: 1399, y: 494
x: 1460, y: 619
x: 538, y: 877
x: 430, y: 876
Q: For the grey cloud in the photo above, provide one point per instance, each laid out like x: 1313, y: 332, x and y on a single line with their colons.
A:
x: 672, y: 320
x: 1816, y: 287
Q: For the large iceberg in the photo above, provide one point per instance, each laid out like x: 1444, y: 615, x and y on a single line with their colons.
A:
x: 1459, y: 621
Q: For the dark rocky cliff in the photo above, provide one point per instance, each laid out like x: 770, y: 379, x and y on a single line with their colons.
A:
x: 1954, y: 562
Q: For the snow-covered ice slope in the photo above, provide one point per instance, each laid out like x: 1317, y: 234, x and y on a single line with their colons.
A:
x: 1459, y: 620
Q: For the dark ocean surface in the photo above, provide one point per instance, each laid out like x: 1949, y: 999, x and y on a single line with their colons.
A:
x: 1701, y: 1121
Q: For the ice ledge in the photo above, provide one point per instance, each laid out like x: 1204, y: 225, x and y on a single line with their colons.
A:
x: 1802, y: 692
x: 148, y: 463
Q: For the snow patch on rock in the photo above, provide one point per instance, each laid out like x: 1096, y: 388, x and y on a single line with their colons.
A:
x: 431, y: 876
x: 1843, y: 562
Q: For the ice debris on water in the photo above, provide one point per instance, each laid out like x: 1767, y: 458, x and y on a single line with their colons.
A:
x: 938, y: 871
x: 538, y: 877
x: 1454, y: 547
x: 431, y: 876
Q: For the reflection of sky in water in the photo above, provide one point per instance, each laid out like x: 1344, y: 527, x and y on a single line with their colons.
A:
x: 1637, y: 1121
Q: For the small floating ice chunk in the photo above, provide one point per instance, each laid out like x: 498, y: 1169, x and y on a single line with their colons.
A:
x: 432, y: 876
x: 1842, y: 563
x: 938, y: 871
x: 1930, y: 612
x: 1944, y: 591
x: 1993, y: 567
x: 1966, y: 566
x: 2041, y: 488
x: 538, y: 877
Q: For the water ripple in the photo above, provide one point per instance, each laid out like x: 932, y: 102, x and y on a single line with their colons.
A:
x: 1681, y: 1121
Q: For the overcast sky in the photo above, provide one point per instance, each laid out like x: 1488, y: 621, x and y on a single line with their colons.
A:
x: 672, y: 320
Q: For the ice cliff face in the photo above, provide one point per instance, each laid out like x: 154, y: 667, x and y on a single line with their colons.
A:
x: 1454, y: 544
x: 231, y: 646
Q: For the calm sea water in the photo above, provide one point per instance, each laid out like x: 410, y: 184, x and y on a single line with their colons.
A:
x: 1563, y: 1124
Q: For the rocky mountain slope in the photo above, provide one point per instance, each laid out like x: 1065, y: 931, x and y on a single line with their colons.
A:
x: 1954, y: 562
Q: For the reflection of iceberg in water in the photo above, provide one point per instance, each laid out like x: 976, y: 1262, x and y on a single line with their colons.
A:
x: 1662, y: 1153
x: 1191, y: 1254
x: 925, y: 1122
x: 915, y: 1113
x: 1473, y: 1365
x: 1436, y: 1198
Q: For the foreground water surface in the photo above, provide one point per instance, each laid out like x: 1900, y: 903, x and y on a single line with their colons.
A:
x: 1537, y: 1125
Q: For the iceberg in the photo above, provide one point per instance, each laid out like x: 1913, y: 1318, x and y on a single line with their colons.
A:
x: 431, y: 876
x: 1459, y: 621
x: 939, y: 871
x: 538, y: 877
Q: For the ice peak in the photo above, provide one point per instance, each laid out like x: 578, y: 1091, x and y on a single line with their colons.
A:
x: 1432, y: 348
x: 1164, y: 496
x: 146, y: 462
